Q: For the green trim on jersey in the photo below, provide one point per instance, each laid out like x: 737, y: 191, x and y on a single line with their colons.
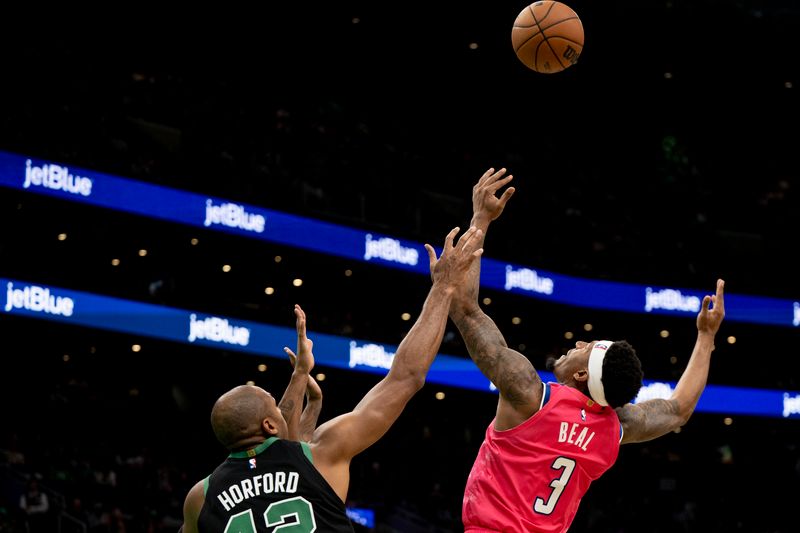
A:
x: 307, y: 451
x: 205, y: 485
x: 252, y: 452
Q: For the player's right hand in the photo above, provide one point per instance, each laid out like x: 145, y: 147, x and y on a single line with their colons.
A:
x: 452, y: 266
x: 303, y: 361
x: 712, y: 311
x: 485, y: 205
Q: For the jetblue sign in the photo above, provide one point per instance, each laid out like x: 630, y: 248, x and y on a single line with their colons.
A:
x: 35, y: 300
x: 671, y: 300
x: 55, y: 177
x: 233, y: 216
x: 215, y: 329
x: 144, y: 199
x: 390, y: 250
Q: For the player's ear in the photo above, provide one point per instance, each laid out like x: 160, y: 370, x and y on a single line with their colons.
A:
x: 269, y: 426
x: 581, y: 375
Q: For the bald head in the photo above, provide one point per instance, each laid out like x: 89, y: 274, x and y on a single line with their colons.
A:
x: 238, y: 415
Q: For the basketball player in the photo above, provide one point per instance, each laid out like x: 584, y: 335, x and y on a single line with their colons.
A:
x: 268, y: 483
x: 549, y: 441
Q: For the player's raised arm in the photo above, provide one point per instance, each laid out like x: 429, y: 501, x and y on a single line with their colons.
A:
x: 337, y: 441
x: 312, y: 410
x: 291, y: 403
x: 652, y: 418
x: 313, y: 407
x: 510, y: 371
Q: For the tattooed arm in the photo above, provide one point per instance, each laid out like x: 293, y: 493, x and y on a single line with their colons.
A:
x: 510, y: 371
x: 653, y: 418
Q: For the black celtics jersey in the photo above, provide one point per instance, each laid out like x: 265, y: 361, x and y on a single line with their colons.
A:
x: 273, y: 488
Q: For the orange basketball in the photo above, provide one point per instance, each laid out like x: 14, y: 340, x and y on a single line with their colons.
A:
x: 547, y: 36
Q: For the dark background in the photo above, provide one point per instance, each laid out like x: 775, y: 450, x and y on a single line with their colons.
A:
x: 666, y: 155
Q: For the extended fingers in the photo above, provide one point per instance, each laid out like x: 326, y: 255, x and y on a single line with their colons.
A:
x: 301, y: 329
x: 494, y: 186
x: 720, y: 296
x: 494, y: 177
x: 470, y: 238
x: 490, y: 176
x: 290, y: 353
x: 506, y: 196
x: 486, y: 176
x: 448, y: 241
x: 300, y: 325
x: 431, y: 254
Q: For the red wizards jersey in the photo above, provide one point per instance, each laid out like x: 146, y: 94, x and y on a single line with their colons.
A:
x: 531, y: 478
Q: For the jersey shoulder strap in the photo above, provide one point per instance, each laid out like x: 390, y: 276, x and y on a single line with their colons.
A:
x: 545, y: 394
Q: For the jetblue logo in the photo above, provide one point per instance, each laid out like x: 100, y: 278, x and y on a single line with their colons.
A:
x: 217, y: 330
x: 371, y: 355
x: 670, y: 300
x: 233, y: 216
x: 57, y: 178
x: 37, y: 299
x: 653, y: 391
x: 389, y: 250
x: 791, y: 405
x: 527, y: 280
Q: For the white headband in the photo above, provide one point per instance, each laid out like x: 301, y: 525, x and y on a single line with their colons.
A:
x: 596, y: 371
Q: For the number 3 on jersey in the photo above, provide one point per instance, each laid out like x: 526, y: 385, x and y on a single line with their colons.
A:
x: 558, y: 484
x: 276, y: 516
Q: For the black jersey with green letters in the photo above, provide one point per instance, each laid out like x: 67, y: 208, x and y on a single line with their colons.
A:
x: 272, y: 488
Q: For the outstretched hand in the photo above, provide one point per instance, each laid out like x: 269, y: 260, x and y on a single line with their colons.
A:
x: 485, y: 205
x: 452, y: 266
x: 313, y: 390
x: 712, y: 311
x: 304, y: 359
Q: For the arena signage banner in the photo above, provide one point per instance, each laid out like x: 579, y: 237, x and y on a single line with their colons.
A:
x: 39, y: 301
x: 188, y: 208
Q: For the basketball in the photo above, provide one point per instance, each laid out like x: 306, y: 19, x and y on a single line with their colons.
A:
x: 547, y: 36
